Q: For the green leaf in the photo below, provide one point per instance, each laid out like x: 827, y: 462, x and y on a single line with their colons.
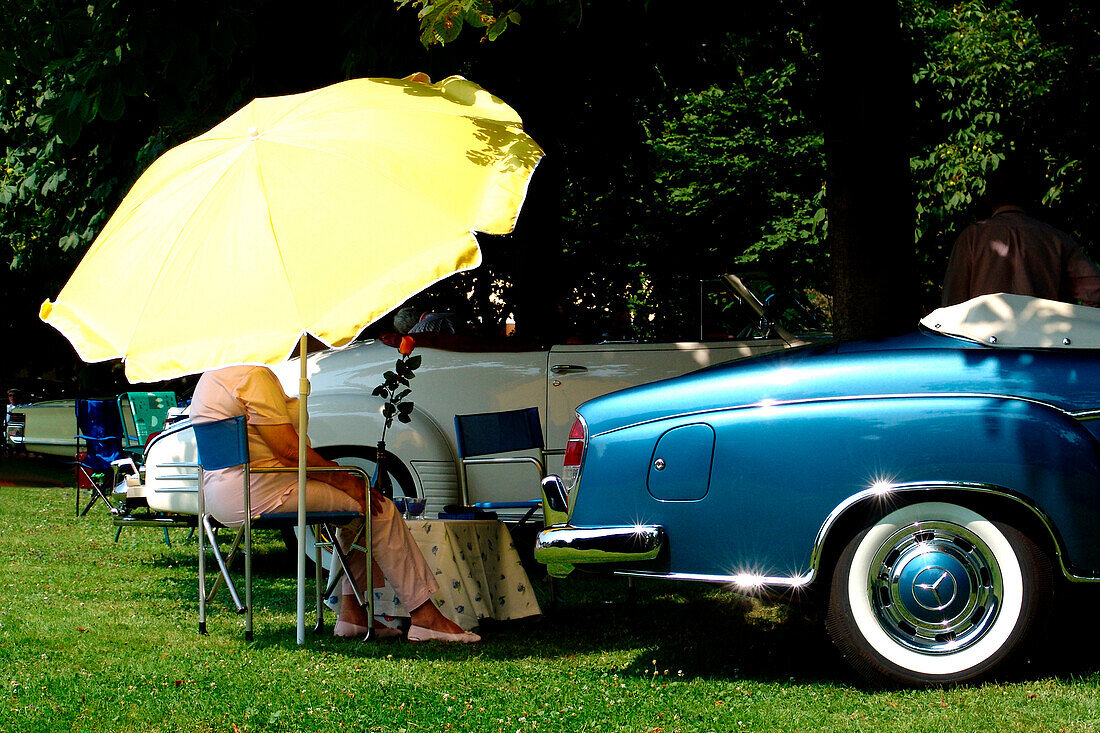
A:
x: 51, y: 183
x: 474, y: 17
x: 497, y: 28
x: 112, y: 103
x: 67, y: 126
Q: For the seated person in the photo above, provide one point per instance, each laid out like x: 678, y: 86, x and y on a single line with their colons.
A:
x: 435, y: 322
x: 405, y: 319
x: 273, y: 437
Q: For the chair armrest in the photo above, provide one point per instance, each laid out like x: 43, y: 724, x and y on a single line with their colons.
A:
x: 323, y: 469
x: 532, y: 503
x: 514, y: 459
x: 126, y: 463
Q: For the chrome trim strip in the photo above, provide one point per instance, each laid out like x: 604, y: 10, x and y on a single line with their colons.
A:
x: 743, y: 581
x: 1087, y: 414
x: 178, y: 490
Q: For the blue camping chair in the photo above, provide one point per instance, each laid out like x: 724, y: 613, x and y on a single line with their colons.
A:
x: 485, y: 433
x: 224, y: 444
x: 481, y: 434
x: 99, y: 432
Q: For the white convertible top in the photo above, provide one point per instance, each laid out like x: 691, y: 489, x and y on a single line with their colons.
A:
x: 1019, y: 321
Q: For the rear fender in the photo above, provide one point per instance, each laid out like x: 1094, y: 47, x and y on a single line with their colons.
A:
x: 781, y: 471
x: 859, y: 510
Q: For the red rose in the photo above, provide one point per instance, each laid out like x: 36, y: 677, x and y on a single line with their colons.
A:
x: 407, y: 345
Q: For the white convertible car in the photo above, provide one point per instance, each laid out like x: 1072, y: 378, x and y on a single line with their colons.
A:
x: 44, y: 427
x: 422, y: 455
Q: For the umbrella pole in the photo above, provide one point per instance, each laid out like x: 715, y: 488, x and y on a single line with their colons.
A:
x: 303, y: 427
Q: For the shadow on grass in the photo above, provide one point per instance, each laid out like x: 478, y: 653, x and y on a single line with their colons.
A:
x: 38, y: 471
x: 690, y: 630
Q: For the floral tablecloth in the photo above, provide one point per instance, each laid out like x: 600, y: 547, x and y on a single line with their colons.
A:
x: 478, y: 570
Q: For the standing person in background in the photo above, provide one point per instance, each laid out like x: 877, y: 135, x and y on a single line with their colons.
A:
x: 1011, y: 252
x: 12, y: 401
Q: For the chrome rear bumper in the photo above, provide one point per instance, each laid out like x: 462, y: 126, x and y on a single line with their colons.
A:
x: 561, y: 547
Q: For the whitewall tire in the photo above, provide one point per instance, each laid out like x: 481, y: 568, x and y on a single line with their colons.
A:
x: 935, y: 593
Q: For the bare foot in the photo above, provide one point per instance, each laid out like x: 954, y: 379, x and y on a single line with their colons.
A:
x: 430, y: 617
x: 352, y: 612
x: 355, y: 620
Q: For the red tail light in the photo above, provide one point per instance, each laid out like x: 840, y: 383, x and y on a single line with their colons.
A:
x: 574, y: 453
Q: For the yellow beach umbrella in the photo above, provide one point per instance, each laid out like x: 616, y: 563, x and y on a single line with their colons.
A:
x: 313, y: 213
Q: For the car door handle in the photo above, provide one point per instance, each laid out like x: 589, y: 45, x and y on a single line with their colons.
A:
x: 567, y: 369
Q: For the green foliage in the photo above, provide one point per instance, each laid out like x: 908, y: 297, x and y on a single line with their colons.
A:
x: 674, y: 150
x: 741, y: 170
x: 92, y: 94
x: 442, y: 21
x: 726, y: 174
x: 984, y: 79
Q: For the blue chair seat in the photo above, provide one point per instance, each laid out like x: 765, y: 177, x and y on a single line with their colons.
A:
x: 223, y: 444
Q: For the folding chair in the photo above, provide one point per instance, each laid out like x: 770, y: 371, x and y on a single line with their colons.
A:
x: 501, y: 432
x: 99, y: 430
x: 480, y: 434
x: 142, y: 414
x: 224, y: 444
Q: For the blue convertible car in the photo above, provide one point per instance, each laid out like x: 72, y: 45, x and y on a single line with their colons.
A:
x: 935, y: 485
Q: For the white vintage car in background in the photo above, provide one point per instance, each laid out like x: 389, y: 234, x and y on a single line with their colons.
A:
x: 47, y: 427
x: 422, y: 456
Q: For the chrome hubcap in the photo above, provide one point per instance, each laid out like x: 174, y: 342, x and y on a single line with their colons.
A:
x: 935, y: 587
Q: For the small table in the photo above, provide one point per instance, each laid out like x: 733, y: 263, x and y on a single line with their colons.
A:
x: 477, y: 568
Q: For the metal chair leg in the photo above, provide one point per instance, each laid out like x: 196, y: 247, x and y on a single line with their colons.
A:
x: 320, y: 625
x: 202, y: 560
x: 247, y: 555
x: 223, y: 565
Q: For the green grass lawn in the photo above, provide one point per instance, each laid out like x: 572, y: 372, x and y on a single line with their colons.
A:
x: 99, y: 636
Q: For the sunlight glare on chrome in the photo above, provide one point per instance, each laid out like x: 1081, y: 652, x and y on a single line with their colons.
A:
x: 767, y: 406
x: 881, y: 484
x: 748, y: 581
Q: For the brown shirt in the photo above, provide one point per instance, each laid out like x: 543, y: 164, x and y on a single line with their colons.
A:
x: 1011, y: 252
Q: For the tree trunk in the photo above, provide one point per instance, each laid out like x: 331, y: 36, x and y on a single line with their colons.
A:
x: 867, y: 92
